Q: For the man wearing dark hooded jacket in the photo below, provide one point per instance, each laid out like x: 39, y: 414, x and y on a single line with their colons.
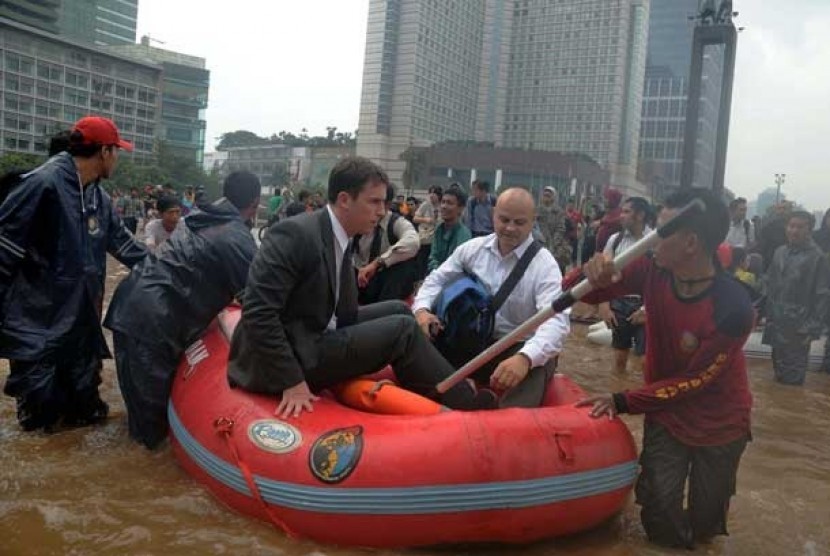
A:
x: 56, y: 228
x: 168, y: 300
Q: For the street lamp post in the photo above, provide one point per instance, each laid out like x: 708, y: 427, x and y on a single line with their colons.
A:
x: 779, y: 181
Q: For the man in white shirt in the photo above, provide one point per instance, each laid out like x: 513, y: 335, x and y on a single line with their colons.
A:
x: 741, y: 231
x: 523, y: 371
x: 159, y: 230
x: 626, y: 316
x: 386, y: 259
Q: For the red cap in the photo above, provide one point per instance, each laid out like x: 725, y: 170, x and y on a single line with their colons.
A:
x: 100, y: 131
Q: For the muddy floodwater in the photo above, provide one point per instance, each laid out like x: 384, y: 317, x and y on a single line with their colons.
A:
x: 93, y: 492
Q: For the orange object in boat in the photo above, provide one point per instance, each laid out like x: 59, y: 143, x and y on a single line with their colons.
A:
x: 385, y: 398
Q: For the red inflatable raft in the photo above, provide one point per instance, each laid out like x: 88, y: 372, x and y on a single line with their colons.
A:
x: 348, y: 477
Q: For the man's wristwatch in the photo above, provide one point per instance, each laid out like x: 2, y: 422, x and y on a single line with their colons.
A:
x: 380, y: 263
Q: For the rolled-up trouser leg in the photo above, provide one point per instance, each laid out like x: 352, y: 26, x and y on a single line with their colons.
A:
x: 664, y: 465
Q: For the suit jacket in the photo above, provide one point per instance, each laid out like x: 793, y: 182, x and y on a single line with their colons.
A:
x: 288, y: 302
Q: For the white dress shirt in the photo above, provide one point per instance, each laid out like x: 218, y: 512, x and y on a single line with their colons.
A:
x: 536, y: 290
x: 404, y: 249
x: 340, y: 245
x: 741, y: 234
x: 627, y: 241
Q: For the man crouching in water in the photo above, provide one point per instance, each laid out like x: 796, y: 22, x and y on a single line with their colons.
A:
x: 696, y: 399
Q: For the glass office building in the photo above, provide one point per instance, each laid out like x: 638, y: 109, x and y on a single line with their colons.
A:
x: 47, y: 83
x: 99, y: 22
x: 666, y: 93
x: 528, y: 74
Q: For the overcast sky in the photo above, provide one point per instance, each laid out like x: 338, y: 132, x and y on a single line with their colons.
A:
x: 288, y: 64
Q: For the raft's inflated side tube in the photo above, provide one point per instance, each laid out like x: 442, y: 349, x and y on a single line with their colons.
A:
x: 353, y: 478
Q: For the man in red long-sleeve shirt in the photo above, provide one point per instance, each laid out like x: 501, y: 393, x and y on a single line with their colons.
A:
x: 696, y: 397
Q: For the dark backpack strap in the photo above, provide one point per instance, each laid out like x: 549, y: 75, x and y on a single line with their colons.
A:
x: 390, y: 229
x: 515, y: 275
x: 746, y: 232
x: 374, y: 248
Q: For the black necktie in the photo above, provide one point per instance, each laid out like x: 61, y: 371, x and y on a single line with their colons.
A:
x: 346, y: 311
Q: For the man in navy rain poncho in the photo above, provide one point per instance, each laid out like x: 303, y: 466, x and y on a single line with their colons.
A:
x: 56, y: 228
x: 171, y: 297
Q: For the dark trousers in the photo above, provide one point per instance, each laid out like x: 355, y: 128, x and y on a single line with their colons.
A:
x: 790, y: 359
x: 625, y: 334
x: 131, y: 223
x: 145, y: 376
x: 386, y: 333
x: 61, y: 384
x: 528, y: 393
x: 666, y: 464
x: 423, y: 261
x: 394, y: 283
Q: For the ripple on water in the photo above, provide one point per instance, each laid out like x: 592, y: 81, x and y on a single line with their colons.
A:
x: 94, y: 492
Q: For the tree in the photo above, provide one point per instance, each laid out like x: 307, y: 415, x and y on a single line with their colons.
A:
x: 241, y: 138
x: 280, y: 176
x: 21, y: 162
x: 244, y: 138
x: 416, y: 167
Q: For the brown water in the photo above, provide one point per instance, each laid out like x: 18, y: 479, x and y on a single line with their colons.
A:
x: 92, y: 491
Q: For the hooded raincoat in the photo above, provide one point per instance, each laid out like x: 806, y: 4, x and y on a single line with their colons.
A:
x: 53, y: 247
x: 175, y: 293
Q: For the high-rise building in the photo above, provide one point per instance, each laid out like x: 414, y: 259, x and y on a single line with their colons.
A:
x: 40, y: 14
x: 575, y: 80
x: 665, y: 95
x: 557, y: 75
x: 99, y: 22
x: 184, y: 96
x: 49, y: 82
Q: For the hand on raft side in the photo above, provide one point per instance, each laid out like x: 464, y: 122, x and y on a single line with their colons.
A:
x: 601, y: 405
x: 295, y: 400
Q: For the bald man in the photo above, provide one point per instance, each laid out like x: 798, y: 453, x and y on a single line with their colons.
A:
x: 521, y: 373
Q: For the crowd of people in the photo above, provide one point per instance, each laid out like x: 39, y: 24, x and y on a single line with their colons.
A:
x: 785, y: 262
x: 343, y: 286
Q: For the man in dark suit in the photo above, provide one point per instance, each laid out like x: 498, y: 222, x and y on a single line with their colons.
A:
x: 302, y: 330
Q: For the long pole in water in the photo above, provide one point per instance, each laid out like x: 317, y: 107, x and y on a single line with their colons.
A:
x: 568, y: 298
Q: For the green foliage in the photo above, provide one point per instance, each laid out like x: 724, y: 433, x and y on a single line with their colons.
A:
x: 169, y: 168
x: 240, y: 138
x: 12, y: 161
x: 280, y: 176
x: 243, y: 138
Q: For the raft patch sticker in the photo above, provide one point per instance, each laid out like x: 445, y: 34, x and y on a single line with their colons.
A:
x: 274, y: 436
x: 335, y: 455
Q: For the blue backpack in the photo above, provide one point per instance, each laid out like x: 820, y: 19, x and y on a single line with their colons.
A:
x: 467, y: 311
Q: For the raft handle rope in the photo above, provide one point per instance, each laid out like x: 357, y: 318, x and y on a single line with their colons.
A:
x: 568, y: 298
x: 224, y: 426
